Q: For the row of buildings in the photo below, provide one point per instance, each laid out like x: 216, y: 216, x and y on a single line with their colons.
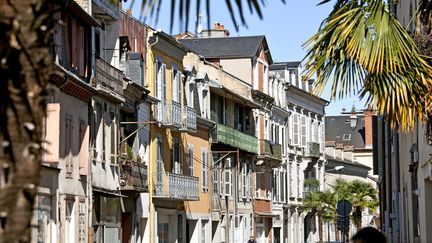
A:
x: 150, y: 138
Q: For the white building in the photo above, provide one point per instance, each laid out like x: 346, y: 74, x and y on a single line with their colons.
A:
x: 302, y: 134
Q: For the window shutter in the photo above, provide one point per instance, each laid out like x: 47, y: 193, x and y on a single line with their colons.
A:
x: 191, y: 162
x: 83, y: 148
x: 163, y: 82
x: 52, y: 133
x: 173, y: 84
x: 68, y: 145
x: 295, y: 130
x: 228, y: 179
x: 303, y: 131
x: 157, y: 79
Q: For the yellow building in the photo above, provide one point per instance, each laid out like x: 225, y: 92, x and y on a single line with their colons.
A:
x: 179, y: 147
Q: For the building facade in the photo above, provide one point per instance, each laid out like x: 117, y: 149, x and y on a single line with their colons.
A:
x: 304, y: 146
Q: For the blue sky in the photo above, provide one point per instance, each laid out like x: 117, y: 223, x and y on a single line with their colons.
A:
x: 286, y: 28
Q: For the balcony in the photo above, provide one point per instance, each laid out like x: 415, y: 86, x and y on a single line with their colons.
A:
x: 269, y: 150
x: 230, y: 136
x: 168, y: 113
x: 176, y: 187
x: 312, y: 150
x: 106, y: 8
x: 189, y: 122
x: 108, y: 80
x: 133, y: 177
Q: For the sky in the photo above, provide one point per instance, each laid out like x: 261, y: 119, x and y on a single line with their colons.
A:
x: 286, y: 27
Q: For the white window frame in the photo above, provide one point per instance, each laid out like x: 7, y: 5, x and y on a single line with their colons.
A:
x: 176, y: 84
x: 190, y: 160
x: 204, y: 155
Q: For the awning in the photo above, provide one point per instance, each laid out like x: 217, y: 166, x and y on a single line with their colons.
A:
x: 266, y: 214
x: 111, y: 193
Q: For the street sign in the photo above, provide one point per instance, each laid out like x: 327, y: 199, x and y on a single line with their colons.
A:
x: 343, y: 207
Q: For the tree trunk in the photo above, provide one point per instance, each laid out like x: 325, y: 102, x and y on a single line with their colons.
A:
x: 320, y: 227
x: 337, y: 236
x: 25, y: 28
x: 358, y: 217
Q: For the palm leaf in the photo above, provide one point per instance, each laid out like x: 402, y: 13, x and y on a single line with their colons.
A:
x: 362, y: 48
x: 151, y: 8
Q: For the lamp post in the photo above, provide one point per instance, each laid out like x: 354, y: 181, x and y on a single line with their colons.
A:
x: 338, y: 169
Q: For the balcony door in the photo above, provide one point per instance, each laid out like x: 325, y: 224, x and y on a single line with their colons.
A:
x: 176, y: 166
x: 159, y: 166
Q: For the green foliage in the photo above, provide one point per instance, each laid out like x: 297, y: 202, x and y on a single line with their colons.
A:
x: 362, y: 47
x: 130, y: 154
x: 311, y: 184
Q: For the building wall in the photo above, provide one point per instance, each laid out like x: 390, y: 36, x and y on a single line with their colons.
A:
x: 241, y: 68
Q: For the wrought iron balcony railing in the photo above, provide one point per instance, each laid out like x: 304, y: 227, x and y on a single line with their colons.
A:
x: 176, y: 186
x: 267, y: 149
x: 235, y: 138
x: 108, y: 80
x: 313, y: 150
x: 189, y: 121
x: 168, y: 113
x: 133, y: 176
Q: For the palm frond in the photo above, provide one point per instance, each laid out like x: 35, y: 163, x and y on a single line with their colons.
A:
x: 362, y: 48
x: 151, y: 9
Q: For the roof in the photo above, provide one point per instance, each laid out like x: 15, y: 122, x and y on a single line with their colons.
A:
x: 336, y: 127
x: 284, y: 65
x: 225, y: 47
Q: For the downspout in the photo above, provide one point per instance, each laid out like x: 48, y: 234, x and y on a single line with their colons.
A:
x: 396, y: 222
x: 150, y: 168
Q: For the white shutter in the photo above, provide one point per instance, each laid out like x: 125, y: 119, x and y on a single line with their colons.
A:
x: 295, y: 130
x: 163, y: 92
x: 303, y: 131
x: 191, y: 160
x: 204, y: 170
x: 228, y: 177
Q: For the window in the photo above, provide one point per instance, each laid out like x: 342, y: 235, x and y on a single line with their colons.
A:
x: 113, y: 139
x: 291, y: 179
x: 189, y: 89
x: 303, y: 131
x: 228, y: 177
x: 216, y: 175
x: 163, y: 232
x: 159, y: 164
x: 83, y: 159
x: 68, y: 145
x: 347, y: 137
x: 244, y: 180
x: 298, y: 180
x: 160, y: 80
x: 295, y: 129
x: 176, y: 166
x: 43, y: 213
x: 191, y: 160
x: 204, y: 161
x: 176, y: 86
x: 203, y: 230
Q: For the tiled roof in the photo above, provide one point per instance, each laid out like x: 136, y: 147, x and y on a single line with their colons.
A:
x: 338, y: 127
x: 284, y: 65
x: 225, y: 47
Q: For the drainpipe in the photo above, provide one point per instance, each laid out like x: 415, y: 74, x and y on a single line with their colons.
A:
x: 150, y: 167
x: 396, y: 222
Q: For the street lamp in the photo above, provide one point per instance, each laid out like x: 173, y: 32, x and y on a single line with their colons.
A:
x: 336, y: 168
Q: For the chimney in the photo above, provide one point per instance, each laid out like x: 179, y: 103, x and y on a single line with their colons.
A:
x: 129, y: 12
x: 368, y: 114
x: 217, y: 31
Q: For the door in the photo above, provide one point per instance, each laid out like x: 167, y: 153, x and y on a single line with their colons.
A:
x: 70, y: 222
x: 276, y: 235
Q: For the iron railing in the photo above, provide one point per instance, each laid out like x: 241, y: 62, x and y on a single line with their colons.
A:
x: 176, y: 186
x: 270, y: 150
x: 312, y: 149
x: 134, y: 176
x: 189, y: 118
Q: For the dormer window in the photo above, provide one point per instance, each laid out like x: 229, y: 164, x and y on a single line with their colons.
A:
x: 346, y: 137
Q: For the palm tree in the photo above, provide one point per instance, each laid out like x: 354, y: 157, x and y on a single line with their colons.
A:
x: 362, y: 47
x: 314, y: 203
x: 25, y: 69
x: 363, y: 195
